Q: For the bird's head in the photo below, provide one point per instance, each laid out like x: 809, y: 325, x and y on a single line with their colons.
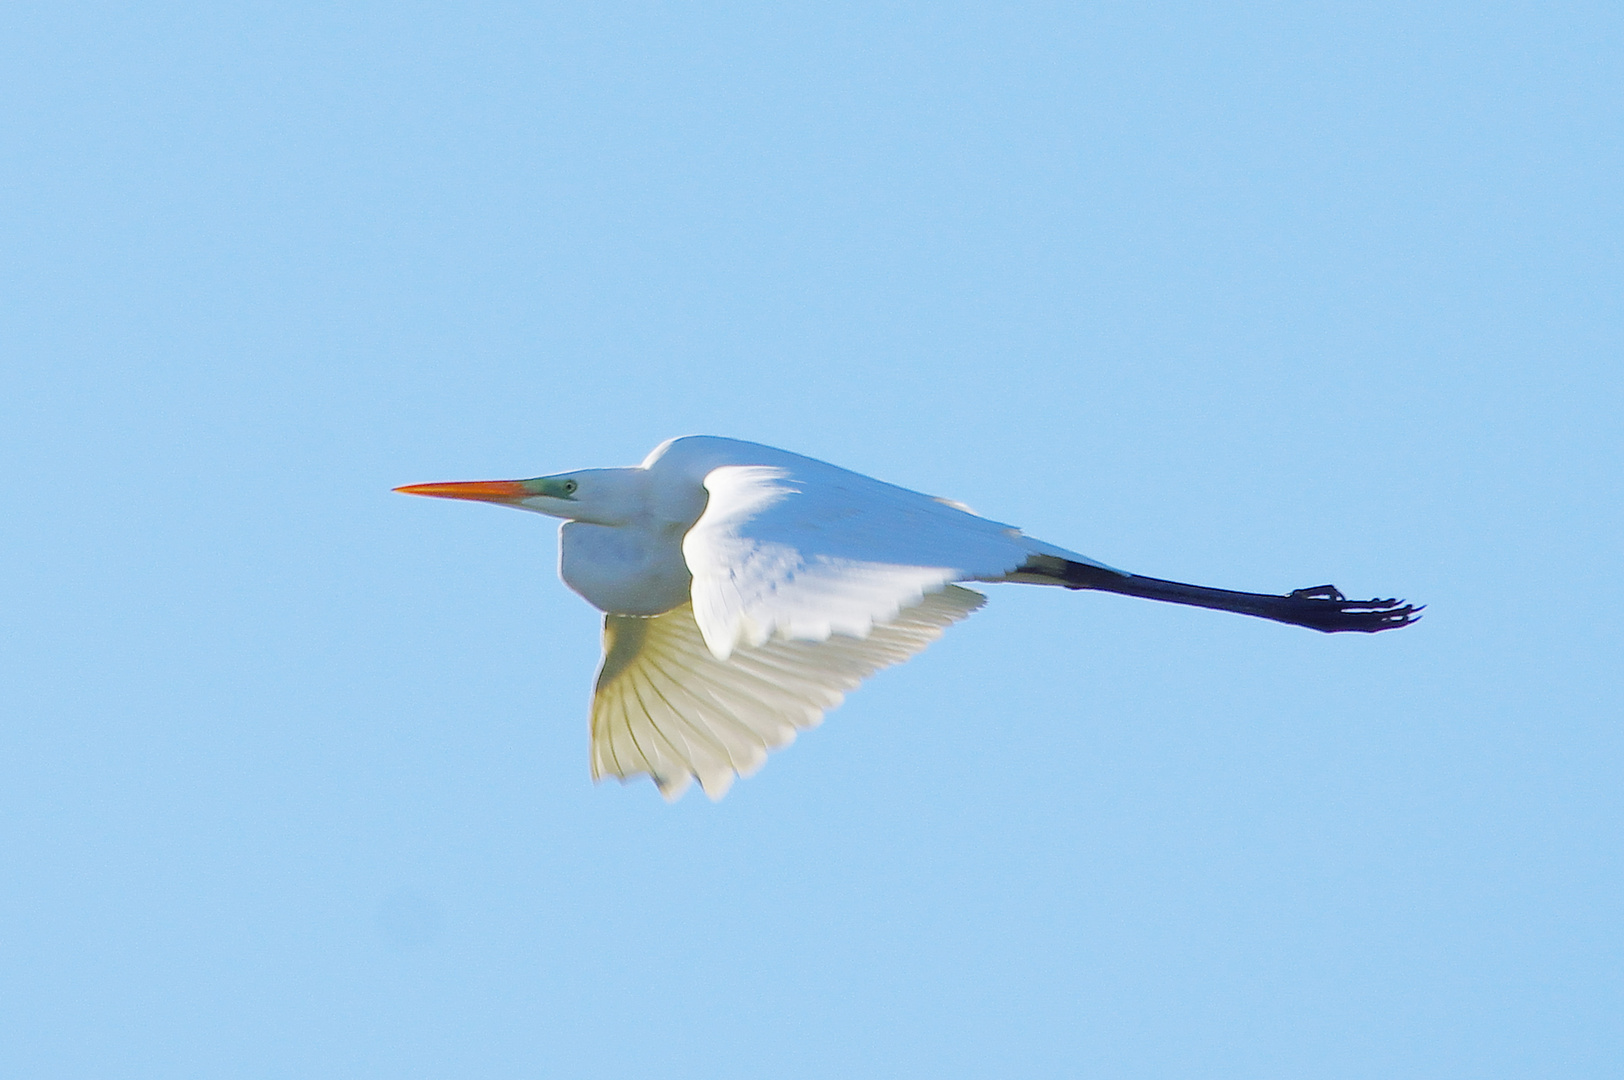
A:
x: 596, y: 496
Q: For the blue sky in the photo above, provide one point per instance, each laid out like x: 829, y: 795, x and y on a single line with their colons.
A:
x: 293, y: 773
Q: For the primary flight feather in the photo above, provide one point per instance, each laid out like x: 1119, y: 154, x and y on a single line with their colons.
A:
x: 745, y: 589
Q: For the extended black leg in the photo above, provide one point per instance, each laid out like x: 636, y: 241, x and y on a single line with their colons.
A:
x: 1322, y: 607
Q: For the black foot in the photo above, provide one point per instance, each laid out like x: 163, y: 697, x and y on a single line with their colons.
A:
x: 1324, y: 608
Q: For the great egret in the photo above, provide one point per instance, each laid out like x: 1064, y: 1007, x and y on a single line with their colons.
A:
x: 744, y: 589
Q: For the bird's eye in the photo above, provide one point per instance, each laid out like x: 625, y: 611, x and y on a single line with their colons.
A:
x: 570, y: 486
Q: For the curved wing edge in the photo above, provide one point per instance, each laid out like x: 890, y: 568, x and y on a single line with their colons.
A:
x: 667, y: 707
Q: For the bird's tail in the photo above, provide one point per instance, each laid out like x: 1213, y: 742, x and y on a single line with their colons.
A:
x: 1322, y: 607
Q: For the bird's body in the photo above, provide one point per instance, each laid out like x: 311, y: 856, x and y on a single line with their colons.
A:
x: 757, y: 535
x: 745, y: 588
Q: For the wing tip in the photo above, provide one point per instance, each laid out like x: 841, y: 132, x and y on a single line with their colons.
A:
x: 671, y: 788
x: 673, y: 766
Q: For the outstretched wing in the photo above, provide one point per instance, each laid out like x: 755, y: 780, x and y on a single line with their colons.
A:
x: 799, y: 549
x: 666, y: 706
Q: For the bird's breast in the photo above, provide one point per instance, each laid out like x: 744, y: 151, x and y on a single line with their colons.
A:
x: 624, y: 570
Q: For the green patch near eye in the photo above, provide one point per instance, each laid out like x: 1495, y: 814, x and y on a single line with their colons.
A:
x: 552, y: 487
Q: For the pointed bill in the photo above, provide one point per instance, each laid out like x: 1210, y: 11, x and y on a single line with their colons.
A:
x: 496, y: 491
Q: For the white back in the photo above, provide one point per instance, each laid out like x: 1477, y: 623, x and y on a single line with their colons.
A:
x: 796, y: 548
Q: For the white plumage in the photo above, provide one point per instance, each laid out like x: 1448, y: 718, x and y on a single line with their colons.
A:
x: 665, y: 705
x: 745, y: 589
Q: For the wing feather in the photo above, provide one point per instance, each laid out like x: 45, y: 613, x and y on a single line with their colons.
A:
x: 804, y: 550
x: 666, y: 706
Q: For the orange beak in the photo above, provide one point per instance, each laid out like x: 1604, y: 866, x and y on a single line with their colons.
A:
x: 496, y: 491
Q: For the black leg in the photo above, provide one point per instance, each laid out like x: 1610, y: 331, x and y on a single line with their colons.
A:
x: 1321, y: 607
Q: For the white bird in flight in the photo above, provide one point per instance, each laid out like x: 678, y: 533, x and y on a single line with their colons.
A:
x: 745, y: 589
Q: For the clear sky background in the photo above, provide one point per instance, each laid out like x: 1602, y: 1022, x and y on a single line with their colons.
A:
x: 293, y: 770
